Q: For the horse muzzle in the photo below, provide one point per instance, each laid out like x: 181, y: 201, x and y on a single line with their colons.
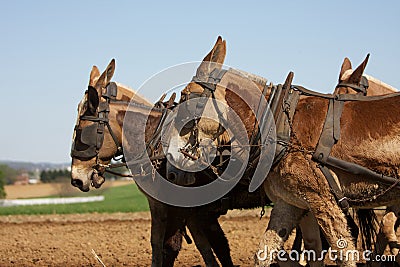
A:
x: 83, y: 178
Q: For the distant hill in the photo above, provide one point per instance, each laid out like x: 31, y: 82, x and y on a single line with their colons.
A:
x: 30, y: 166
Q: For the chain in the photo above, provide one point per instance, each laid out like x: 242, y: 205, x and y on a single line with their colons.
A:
x: 355, y: 200
x: 262, y: 212
x: 294, y: 144
x: 374, y: 197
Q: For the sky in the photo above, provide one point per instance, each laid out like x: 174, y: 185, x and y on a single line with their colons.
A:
x: 47, y: 50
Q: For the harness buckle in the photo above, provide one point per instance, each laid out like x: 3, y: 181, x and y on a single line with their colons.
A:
x: 344, y: 204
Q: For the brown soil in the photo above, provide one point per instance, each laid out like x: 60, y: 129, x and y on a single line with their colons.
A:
x: 118, y: 239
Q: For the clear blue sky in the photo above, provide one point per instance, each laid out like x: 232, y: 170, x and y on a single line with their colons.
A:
x: 48, y: 47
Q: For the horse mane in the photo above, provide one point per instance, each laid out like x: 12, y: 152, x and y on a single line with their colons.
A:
x: 260, y: 81
x: 380, y: 83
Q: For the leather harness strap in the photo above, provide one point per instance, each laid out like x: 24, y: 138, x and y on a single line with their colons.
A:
x: 284, y: 113
x: 336, y: 190
x: 330, y: 132
x: 92, y: 136
x: 330, y: 135
x: 209, y: 86
x: 283, y: 101
x: 361, y: 88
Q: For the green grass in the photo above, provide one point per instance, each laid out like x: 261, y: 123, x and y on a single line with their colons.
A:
x: 117, y: 199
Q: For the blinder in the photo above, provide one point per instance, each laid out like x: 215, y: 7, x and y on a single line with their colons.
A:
x: 188, y: 111
x: 194, y: 109
x: 89, y: 139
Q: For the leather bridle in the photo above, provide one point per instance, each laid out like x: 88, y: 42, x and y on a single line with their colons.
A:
x: 89, y: 139
x: 190, y: 110
x: 360, y: 88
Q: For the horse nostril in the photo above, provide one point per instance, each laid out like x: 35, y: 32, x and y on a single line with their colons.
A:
x: 77, y: 183
x: 172, y: 176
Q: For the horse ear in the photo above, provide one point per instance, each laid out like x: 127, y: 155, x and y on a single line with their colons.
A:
x: 346, y: 65
x: 214, y: 59
x: 92, y: 101
x: 355, y: 77
x: 106, y: 76
x: 219, y: 51
x: 94, y: 76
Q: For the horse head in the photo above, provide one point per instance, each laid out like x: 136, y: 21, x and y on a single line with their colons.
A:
x: 352, y: 81
x: 194, y: 127
x: 356, y: 82
x: 215, y: 106
x: 97, y: 134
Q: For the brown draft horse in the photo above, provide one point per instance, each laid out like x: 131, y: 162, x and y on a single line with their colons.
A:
x: 387, y: 231
x: 308, y: 224
x: 167, y: 222
x: 369, y: 137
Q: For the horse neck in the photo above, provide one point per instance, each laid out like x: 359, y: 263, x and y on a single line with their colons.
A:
x: 127, y: 94
x: 376, y: 87
x: 240, y: 88
x: 141, y: 111
x: 127, y: 101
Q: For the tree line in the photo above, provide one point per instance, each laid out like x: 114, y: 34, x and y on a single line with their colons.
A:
x: 2, y: 182
x: 9, y: 176
x: 51, y: 176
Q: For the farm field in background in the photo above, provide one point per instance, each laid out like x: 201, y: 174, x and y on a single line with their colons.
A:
x: 118, y: 198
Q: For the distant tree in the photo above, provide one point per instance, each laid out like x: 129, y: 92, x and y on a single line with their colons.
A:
x: 2, y: 182
x: 52, y: 176
x: 44, y: 177
x: 9, y: 174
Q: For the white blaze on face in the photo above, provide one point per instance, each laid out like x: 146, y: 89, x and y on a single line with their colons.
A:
x: 208, y: 127
x: 174, y: 156
x: 82, y: 170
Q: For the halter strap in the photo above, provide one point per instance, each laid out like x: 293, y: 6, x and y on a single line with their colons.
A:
x: 88, y: 133
x: 361, y: 88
